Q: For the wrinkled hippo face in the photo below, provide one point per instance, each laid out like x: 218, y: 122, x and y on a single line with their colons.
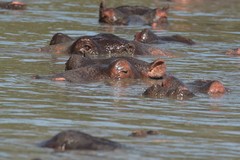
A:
x: 84, y: 46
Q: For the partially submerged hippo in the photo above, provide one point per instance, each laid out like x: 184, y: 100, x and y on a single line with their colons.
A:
x: 76, y: 140
x: 174, y: 88
x: 13, y: 5
x: 125, y: 15
x: 233, y: 52
x: 85, y: 69
x: 147, y: 36
x: 100, y: 44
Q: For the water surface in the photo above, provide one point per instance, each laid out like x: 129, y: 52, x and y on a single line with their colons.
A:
x: 34, y: 110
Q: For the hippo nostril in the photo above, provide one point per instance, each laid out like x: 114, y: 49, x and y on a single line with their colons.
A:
x: 87, y: 47
x: 124, y: 71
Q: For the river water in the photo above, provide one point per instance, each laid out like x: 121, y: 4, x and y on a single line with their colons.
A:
x: 34, y: 110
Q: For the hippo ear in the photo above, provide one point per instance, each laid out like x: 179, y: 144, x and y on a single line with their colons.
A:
x: 141, y: 36
x: 157, y: 69
x: 102, y: 5
x: 166, y: 8
x: 101, y: 9
x: 161, y: 13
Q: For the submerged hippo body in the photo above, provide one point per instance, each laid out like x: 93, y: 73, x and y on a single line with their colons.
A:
x: 99, y: 45
x: 76, y: 140
x: 13, y: 5
x: 147, y: 36
x: 174, y: 88
x: 84, y: 69
x: 127, y: 15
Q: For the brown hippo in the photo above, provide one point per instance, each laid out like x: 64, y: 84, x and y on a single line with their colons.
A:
x: 147, y: 36
x: 233, y: 52
x: 100, y: 45
x: 174, y: 88
x: 76, y: 140
x: 85, y: 69
x: 128, y: 15
x: 143, y: 133
x: 14, y: 5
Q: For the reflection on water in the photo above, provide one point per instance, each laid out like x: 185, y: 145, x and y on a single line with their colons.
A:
x: 34, y: 110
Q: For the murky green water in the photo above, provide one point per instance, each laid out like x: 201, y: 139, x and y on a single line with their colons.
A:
x: 35, y: 110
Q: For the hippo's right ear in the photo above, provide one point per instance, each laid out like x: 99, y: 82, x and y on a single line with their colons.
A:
x: 101, y: 9
x: 157, y: 69
x: 166, y: 8
x: 102, y: 5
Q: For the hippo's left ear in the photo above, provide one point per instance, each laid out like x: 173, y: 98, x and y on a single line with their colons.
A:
x: 157, y: 69
x: 165, y: 8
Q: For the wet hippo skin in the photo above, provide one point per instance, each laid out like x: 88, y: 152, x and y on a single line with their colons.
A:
x: 170, y: 87
x: 101, y: 44
x: 147, y: 36
x: 13, y: 5
x: 132, y: 15
x: 76, y: 140
x: 85, y: 69
x: 174, y: 88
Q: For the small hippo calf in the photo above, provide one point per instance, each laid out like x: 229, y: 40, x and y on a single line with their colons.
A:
x: 76, y: 140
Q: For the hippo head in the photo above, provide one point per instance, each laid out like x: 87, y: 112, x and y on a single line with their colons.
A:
x: 109, y: 15
x: 214, y: 88
x: 160, y: 16
x: 170, y: 87
x: 15, y: 5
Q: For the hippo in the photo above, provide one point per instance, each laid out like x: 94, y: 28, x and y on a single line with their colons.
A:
x: 77, y: 140
x: 102, y: 44
x: 174, y: 88
x: 133, y: 15
x: 143, y: 133
x: 147, y: 36
x: 233, y: 52
x: 84, y: 69
x: 14, y: 5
